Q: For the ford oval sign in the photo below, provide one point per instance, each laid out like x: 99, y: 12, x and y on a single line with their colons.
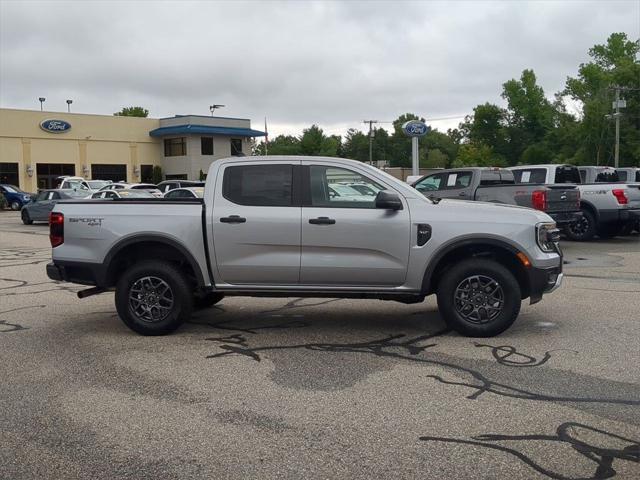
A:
x: 55, y: 126
x: 415, y: 128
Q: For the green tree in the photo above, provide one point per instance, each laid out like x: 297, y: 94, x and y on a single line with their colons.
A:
x: 132, y: 112
x: 201, y: 176
x: 156, y: 174
x: 479, y: 155
x: 314, y: 142
x: 356, y: 145
x: 280, y: 145
x: 614, y: 63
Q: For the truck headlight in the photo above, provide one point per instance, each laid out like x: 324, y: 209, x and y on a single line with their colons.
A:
x: 547, y: 236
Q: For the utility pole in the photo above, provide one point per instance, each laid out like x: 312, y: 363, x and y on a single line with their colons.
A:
x: 370, y: 122
x: 617, y: 115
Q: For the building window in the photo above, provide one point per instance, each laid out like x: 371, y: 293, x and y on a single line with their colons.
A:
x: 113, y: 172
x: 206, y: 145
x: 236, y: 147
x: 146, y: 173
x: 175, y: 147
x: 9, y: 173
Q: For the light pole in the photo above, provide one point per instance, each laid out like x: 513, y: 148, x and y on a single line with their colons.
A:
x: 69, y: 102
x: 41, y: 100
x: 617, y: 105
x: 370, y: 122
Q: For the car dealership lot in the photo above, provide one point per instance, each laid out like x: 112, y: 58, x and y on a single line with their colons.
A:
x: 319, y: 388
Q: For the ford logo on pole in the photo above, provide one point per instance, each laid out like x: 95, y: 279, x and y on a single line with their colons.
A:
x: 415, y: 128
x: 55, y: 126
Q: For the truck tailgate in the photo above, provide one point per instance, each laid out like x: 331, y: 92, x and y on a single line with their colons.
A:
x: 562, y: 198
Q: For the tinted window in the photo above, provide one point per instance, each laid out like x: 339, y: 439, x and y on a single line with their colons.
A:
x: 341, y: 188
x: 607, y: 176
x: 530, y: 175
x: 236, y: 146
x: 206, y: 145
x: 259, y: 185
x: 638, y: 176
x: 567, y: 174
x: 583, y: 175
x: 175, y: 147
x: 493, y: 177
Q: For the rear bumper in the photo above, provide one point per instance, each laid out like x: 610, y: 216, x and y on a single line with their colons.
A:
x: 77, y: 272
x: 565, y: 218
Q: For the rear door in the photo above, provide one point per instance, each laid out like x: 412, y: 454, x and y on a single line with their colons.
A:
x: 256, y: 223
x: 347, y: 242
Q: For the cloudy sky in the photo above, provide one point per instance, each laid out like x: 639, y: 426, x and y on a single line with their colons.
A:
x: 331, y: 63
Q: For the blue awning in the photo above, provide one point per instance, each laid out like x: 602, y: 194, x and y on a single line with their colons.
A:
x: 205, y: 130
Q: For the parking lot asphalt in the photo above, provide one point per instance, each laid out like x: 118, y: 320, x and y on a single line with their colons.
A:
x: 319, y: 388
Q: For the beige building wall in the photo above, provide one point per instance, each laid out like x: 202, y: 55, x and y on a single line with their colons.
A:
x: 92, y: 139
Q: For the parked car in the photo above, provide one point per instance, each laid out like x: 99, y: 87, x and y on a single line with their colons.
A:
x: 179, y: 193
x: 498, y: 185
x: 15, y: 197
x: 277, y: 231
x: 608, y: 209
x: 37, y: 210
x: 79, y: 183
x: 629, y: 175
x: 123, y: 193
x: 150, y: 187
x: 167, y: 185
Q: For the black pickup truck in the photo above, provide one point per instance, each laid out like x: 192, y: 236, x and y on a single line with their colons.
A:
x: 497, y: 185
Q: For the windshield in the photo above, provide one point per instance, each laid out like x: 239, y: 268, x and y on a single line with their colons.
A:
x: 74, y: 184
x: 97, y: 184
x: 12, y: 189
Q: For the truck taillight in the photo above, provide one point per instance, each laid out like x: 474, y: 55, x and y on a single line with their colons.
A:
x: 56, y: 228
x: 539, y: 200
x: 620, y: 196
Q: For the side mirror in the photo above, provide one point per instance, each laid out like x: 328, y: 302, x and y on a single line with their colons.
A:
x: 388, y: 200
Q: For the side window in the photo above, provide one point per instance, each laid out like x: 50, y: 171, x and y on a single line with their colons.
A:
x: 97, y: 195
x: 567, y: 174
x: 622, y: 175
x: 259, y: 185
x: 342, y: 188
x: 430, y: 183
x: 583, y: 175
x: 638, y: 176
x: 534, y: 175
x: 41, y: 196
x: 607, y: 176
x: 457, y: 180
x: 54, y: 196
x: 111, y: 195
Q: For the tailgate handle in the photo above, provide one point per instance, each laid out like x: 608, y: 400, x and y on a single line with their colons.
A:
x: 233, y: 219
x: 322, y: 221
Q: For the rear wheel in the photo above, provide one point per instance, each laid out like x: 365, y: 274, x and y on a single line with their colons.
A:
x: 610, y: 231
x: 583, y: 229
x: 479, y: 297
x: 15, y: 205
x: 153, y: 298
x: 26, y: 219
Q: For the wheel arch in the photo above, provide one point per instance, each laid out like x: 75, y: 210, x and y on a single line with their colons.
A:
x: 487, y: 247
x: 148, y: 247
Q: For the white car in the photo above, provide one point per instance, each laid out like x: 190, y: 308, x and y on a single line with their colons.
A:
x: 123, y: 193
x: 79, y: 183
x: 180, y: 193
x: 150, y: 187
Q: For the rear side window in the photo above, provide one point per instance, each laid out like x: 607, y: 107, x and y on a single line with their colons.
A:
x: 638, y: 176
x: 530, y: 175
x: 259, y: 185
x: 607, y: 176
x: 456, y: 180
x: 496, y: 177
x: 567, y: 174
x: 622, y: 175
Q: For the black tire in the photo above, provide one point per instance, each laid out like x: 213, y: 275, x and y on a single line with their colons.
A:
x: 453, y: 305
x: 610, y: 231
x: 26, y: 219
x: 207, y: 300
x: 15, y: 206
x: 583, y: 229
x: 149, y: 278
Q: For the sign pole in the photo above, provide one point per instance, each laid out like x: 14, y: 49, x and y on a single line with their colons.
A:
x: 414, y: 156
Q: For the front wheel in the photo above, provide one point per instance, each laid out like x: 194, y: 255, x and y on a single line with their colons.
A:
x: 479, y: 298
x: 26, y: 219
x: 153, y: 298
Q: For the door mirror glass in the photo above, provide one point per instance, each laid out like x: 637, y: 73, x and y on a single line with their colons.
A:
x: 388, y: 200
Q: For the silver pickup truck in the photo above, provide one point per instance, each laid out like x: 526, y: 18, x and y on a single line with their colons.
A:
x: 608, y: 209
x: 498, y: 185
x: 269, y: 226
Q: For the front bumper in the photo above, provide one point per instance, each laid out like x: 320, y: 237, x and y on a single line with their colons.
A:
x: 545, y: 279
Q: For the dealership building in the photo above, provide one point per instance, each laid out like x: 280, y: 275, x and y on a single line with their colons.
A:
x: 36, y: 147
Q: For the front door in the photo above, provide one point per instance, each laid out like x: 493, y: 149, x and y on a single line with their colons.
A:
x: 256, y: 224
x: 346, y: 241
x: 456, y: 184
